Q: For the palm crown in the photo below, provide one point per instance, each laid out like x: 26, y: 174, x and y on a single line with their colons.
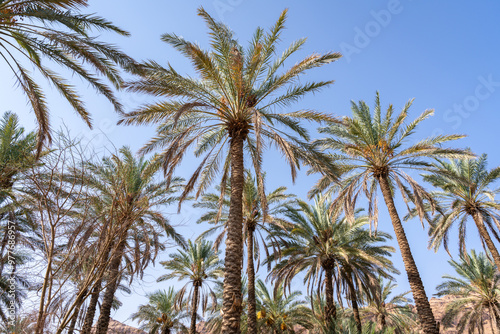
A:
x: 31, y: 30
x: 465, y: 191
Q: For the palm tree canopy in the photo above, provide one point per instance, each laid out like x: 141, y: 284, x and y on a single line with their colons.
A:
x: 54, y: 30
x: 160, y: 311
x: 279, y: 312
x: 16, y: 150
x: 476, y: 292
x: 317, y: 241
x: 199, y: 264
x: 278, y: 202
x: 373, y: 144
x: 466, y: 187
x: 240, y: 92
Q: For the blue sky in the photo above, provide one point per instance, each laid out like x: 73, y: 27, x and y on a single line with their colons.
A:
x: 444, y: 54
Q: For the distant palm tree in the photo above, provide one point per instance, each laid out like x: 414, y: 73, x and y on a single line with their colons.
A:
x: 465, y: 193
x: 371, y: 148
x: 31, y: 31
x: 161, y: 314
x: 389, y: 311
x: 233, y: 106
x: 476, y: 294
x: 200, y: 265
x: 279, y: 312
x: 254, y: 226
x: 329, y: 249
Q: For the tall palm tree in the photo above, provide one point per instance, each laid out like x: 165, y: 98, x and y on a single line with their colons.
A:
x: 31, y: 32
x: 328, y: 249
x: 476, y: 293
x: 126, y: 186
x: 389, y: 311
x: 371, y: 147
x: 465, y: 193
x: 233, y: 106
x: 160, y: 315
x: 254, y: 227
x: 200, y: 265
x: 280, y: 312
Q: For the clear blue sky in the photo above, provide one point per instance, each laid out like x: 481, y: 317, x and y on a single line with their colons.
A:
x: 444, y: 54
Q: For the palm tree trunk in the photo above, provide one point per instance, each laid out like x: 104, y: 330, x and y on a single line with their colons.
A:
x: 231, y: 305
x: 194, y: 305
x: 381, y: 321
x: 72, y: 324
x: 252, y: 307
x: 424, y: 310
x: 165, y: 330
x: 114, y: 270
x: 483, y: 232
x: 89, y: 315
x: 331, y: 310
x: 354, y: 302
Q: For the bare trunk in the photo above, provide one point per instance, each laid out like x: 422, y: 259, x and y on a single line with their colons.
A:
x: 354, y: 303
x: 194, y: 305
x: 89, y: 315
x: 424, y: 310
x: 252, y: 307
x: 483, y: 232
x: 74, y: 318
x: 232, y: 300
x: 331, y: 310
x: 381, y: 321
x: 112, y: 284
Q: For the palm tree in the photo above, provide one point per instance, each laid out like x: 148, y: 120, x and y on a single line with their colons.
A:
x: 160, y: 315
x: 253, y: 223
x: 126, y: 186
x: 232, y: 107
x: 30, y: 30
x: 280, y: 312
x: 371, y: 148
x: 329, y: 248
x: 464, y: 192
x: 200, y: 265
x: 476, y: 293
x: 389, y: 311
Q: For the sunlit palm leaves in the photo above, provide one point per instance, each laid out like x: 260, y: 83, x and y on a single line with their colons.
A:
x: 475, y: 292
x: 34, y: 32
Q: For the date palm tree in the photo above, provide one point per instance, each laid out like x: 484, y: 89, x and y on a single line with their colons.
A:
x: 280, y: 312
x: 161, y: 315
x: 234, y: 105
x: 36, y: 30
x: 476, y: 293
x: 465, y: 193
x: 126, y: 186
x: 371, y: 147
x: 389, y: 311
x: 254, y: 227
x: 330, y: 250
x: 200, y: 265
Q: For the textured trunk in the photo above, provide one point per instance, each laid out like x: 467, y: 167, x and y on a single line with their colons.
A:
x: 331, y: 310
x: 381, y: 321
x: 483, y: 232
x: 74, y: 318
x: 194, y: 305
x: 114, y: 270
x: 165, y: 330
x: 424, y: 310
x: 252, y: 307
x: 354, y: 302
x: 231, y: 305
x: 89, y: 315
